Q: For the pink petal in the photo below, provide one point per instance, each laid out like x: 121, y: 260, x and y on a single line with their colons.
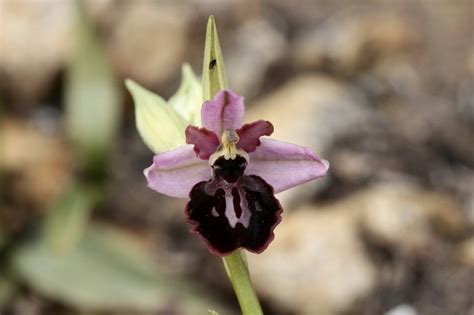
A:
x: 284, y: 165
x: 225, y: 111
x: 205, y: 141
x: 174, y: 173
x: 250, y: 134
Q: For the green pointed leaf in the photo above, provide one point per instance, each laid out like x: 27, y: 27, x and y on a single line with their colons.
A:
x: 187, y: 101
x: 214, y: 77
x: 66, y: 221
x: 159, y: 125
x: 108, y: 270
x: 92, y: 96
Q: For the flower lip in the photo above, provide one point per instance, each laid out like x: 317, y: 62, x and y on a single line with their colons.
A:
x: 244, y: 216
x: 230, y: 170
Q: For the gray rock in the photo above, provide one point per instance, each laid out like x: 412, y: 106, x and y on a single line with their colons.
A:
x: 35, y: 38
x: 402, y: 309
x: 470, y: 61
x: 403, y: 216
x: 41, y: 163
x: 347, y: 42
x: 318, y: 262
x: 149, y: 39
x: 256, y: 46
x: 465, y: 252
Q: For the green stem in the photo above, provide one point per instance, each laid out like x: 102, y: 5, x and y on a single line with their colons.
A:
x: 239, y: 276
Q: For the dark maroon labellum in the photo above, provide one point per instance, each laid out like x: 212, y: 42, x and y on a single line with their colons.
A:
x: 228, y: 216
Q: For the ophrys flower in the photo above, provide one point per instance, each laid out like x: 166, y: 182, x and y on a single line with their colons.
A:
x: 231, y: 175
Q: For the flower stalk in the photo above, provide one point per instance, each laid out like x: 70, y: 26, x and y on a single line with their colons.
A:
x: 214, y: 79
x: 237, y: 271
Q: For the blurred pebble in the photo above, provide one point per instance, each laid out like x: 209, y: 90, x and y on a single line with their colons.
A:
x: 352, y: 166
x: 256, y: 46
x: 398, y: 75
x: 149, y: 39
x: 403, y: 309
x: 40, y: 163
x: 35, y: 39
x: 316, y: 264
x: 466, y: 252
x: 100, y: 11
x: 402, y: 216
x: 465, y: 99
x: 347, y: 43
x: 470, y: 61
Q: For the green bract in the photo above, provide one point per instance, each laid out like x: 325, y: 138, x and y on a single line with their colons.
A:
x: 214, y: 77
x: 188, y: 99
x: 91, y: 88
x: 161, y: 124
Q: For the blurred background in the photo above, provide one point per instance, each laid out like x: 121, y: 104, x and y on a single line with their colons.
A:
x: 384, y: 90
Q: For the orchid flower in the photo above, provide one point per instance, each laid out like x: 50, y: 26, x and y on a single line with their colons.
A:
x: 230, y: 173
x: 229, y: 170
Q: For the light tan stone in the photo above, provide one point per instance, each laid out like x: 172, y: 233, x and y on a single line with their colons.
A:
x: 316, y: 264
x: 149, y: 40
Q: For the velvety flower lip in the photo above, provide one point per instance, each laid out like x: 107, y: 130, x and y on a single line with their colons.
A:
x: 207, y: 214
x: 231, y: 175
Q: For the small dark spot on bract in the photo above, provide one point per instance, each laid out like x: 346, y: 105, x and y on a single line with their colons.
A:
x: 212, y: 64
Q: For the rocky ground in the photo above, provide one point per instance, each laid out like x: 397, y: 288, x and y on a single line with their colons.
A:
x: 384, y: 90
